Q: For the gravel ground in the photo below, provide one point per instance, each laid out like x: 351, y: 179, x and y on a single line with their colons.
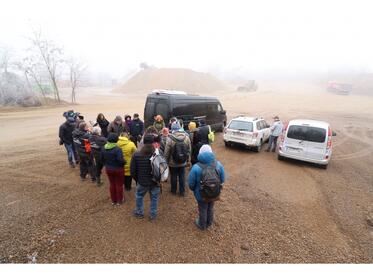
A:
x: 271, y: 211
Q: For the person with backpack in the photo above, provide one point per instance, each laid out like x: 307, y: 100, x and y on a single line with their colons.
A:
x: 137, y: 129
x: 177, y: 153
x: 141, y: 172
x: 81, y: 137
x: 97, y: 144
x: 128, y: 149
x: 66, y: 137
x: 206, y: 180
x: 103, y: 123
x: 112, y: 157
x: 118, y: 126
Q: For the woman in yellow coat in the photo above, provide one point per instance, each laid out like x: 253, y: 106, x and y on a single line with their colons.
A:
x: 128, y: 148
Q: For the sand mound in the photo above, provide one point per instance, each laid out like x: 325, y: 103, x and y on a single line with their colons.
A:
x: 172, y: 79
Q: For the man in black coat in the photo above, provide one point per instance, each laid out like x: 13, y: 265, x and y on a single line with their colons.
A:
x: 97, y: 144
x: 137, y: 129
x: 66, y: 137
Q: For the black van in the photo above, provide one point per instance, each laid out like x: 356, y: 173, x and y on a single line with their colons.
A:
x: 186, y: 107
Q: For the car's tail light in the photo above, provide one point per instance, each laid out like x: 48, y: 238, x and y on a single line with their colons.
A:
x: 329, y: 145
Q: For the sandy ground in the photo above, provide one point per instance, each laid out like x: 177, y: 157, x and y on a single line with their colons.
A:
x: 271, y: 211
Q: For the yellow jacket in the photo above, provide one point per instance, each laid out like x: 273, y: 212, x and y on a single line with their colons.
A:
x: 128, y: 148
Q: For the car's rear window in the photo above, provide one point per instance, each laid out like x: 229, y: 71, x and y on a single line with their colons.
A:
x: 241, y: 125
x: 306, y: 133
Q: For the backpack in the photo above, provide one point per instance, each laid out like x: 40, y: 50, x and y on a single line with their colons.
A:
x: 159, y: 166
x: 179, y: 152
x: 211, y: 135
x: 210, y: 182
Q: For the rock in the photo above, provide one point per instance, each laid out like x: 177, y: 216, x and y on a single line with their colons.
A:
x: 245, y: 247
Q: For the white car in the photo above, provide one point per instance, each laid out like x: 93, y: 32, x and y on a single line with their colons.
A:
x: 247, y: 131
x: 307, y: 140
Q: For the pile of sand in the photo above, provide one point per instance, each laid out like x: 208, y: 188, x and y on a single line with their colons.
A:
x: 172, y: 79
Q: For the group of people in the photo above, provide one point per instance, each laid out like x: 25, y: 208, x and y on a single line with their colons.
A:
x: 126, y: 150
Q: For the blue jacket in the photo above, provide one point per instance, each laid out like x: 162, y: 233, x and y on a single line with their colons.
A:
x: 112, y: 157
x: 196, y: 173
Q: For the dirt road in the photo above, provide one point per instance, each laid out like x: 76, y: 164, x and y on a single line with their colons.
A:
x: 271, y: 211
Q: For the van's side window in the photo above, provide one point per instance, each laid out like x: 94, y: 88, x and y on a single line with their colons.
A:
x: 162, y: 109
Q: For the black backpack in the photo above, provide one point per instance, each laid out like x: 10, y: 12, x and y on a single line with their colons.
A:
x: 210, y: 182
x: 179, y: 152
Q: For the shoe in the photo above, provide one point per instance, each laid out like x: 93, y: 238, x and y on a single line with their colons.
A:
x: 99, y: 183
x: 267, y: 150
x: 152, y: 218
x: 138, y: 216
x: 83, y: 179
x: 196, y: 222
x: 113, y: 203
x: 182, y: 194
x: 72, y: 165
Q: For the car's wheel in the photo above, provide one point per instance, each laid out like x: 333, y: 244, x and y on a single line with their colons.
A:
x: 259, y: 147
x: 281, y: 158
x: 227, y: 144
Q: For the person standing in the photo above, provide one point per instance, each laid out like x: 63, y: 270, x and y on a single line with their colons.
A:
x: 206, y: 159
x: 128, y: 149
x: 275, y: 132
x: 158, y: 123
x: 141, y: 171
x: 203, y: 132
x: 137, y: 128
x: 118, y: 126
x: 128, y: 122
x: 81, y: 140
x: 163, y: 139
x: 177, y: 153
x: 196, y: 144
x: 112, y: 157
x: 66, y: 137
x: 97, y: 145
x: 103, y: 123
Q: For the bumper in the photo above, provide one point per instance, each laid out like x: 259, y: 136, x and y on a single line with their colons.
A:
x: 305, y: 159
x: 244, y: 142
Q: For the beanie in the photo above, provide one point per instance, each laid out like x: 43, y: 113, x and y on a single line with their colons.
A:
x: 205, y: 149
x: 112, y: 137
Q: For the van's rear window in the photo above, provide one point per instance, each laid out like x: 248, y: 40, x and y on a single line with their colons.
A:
x: 306, y: 133
x: 241, y: 125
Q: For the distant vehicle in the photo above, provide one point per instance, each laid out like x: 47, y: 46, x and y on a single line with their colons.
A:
x: 183, y: 106
x: 307, y: 140
x: 339, y: 88
x: 250, y: 86
x: 246, y: 131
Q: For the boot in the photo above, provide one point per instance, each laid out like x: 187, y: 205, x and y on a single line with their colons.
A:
x: 99, y: 182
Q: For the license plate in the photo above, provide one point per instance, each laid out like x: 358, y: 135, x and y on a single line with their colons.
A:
x: 239, y: 134
x: 294, y: 150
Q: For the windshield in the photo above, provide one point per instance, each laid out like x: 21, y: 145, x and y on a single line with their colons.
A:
x: 307, y: 133
x: 241, y: 125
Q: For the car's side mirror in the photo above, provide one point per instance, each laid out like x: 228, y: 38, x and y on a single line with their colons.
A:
x: 334, y: 134
x: 223, y: 112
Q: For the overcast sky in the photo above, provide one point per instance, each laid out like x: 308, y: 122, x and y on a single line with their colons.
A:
x: 115, y: 36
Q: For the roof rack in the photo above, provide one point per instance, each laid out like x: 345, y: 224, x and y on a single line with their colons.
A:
x: 168, y: 92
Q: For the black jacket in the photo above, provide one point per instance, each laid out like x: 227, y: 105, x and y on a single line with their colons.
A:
x: 203, y: 134
x: 79, y: 138
x: 137, y: 128
x: 113, y: 158
x: 66, y: 132
x: 141, y: 169
x: 103, y: 123
x: 97, y: 145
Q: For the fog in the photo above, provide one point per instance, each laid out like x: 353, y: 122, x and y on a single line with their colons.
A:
x: 113, y: 37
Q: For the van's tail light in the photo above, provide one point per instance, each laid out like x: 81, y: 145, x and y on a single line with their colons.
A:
x: 255, y: 134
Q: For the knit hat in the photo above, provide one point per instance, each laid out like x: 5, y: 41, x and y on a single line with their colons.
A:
x: 149, y: 139
x: 205, y: 149
x: 165, y: 131
x: 192, y: 125
x: 112, y: 137
x: 175, y: 126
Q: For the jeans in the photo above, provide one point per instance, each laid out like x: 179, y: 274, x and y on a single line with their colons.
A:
x: 70, y: 153
x: 116, y: 177
x: 154, y: 195
x: 272, y: 141
x: 177, y: 172
x: 206, y: 214
x: 87, y: 166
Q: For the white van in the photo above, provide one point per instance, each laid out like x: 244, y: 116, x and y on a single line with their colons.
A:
x: 307, y: 140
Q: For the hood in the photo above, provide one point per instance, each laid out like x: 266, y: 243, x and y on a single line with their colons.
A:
x: 179, y: 135
x: 122, y: 141
x: 110, y: 145
x: 206, y: 157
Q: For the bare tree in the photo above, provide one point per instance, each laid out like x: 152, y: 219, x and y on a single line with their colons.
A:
x: 32, y: 68
x: 50, y: 55
x: 5, y: 59
x: 77, y: 69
